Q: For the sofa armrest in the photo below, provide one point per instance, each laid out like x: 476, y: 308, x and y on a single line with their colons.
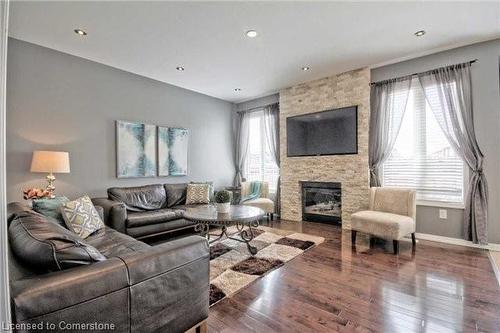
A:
x: 150, y: 262
x: 169, y: 289
x: 43, y: 294
x: 115, y: 213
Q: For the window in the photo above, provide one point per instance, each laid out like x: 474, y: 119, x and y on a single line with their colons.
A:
x: 259, y: 163
x: 422, y: 158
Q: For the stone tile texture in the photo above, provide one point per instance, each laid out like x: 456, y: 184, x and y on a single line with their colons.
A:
x: 342, y: 90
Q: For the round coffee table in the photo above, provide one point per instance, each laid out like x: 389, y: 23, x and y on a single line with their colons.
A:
x: 244, y: 218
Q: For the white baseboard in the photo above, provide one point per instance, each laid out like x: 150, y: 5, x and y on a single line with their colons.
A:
x: 456, y: 241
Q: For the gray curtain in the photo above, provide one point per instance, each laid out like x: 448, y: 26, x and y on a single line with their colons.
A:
x: 388, y: 104
x: 242, y: 131
x: 271, y: 130
x: 448, y: 92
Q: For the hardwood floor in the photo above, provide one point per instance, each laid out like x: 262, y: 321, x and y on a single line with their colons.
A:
x: 436, y: 288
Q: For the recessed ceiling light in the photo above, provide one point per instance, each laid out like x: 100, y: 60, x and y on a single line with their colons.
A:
x: 251, y: 33
x: 180, y: 68
x: 80, y: 32
x: 237, y: 89
x: 420, y: 33
x: 306, y: 68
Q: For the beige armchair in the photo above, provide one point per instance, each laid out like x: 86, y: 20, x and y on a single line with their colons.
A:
x: 263, y: 201
x: 391, y: 215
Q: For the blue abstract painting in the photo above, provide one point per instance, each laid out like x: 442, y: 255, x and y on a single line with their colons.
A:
x: 136, y: 149
x: 172, y: 151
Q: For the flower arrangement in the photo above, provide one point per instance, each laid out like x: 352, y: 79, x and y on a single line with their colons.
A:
x: 35, y: 193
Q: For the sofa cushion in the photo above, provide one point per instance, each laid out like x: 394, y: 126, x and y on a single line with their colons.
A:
x: 112, y: 243
x: 176, y: 194
x: 46, y: 245
x: 81, y: 217
x: 140, y: 198
x: 158, y: 228
x: 382, y: 224
x: 139, y: 219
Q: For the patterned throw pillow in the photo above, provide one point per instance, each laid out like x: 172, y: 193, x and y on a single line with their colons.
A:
x: 197, y: 194
x: 81, y: 217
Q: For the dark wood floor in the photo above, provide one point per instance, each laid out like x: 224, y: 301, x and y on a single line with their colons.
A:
x: 437, y: 288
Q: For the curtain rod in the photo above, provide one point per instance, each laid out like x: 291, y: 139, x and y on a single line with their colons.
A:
x: 257, y: 108
x: 415, y: 74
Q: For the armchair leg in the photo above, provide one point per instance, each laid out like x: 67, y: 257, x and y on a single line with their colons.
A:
x: 413, y: 241
x: 353, y: 238
x: 395, y: 244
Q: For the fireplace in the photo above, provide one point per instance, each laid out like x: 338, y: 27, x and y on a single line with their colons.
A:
x: 321, y: 202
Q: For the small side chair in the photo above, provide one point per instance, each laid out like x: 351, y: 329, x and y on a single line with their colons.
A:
x: 391, y: 215
x: 263, y: 201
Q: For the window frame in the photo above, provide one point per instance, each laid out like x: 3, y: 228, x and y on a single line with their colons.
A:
x: 439, y: 203
x: 259, y: 114
x: 442, y: 204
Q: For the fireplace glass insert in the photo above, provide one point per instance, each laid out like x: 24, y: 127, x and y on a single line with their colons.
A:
x: 322, y: 202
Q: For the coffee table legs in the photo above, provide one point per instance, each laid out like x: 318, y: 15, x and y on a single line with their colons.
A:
x: 247, y: 235
x: 245, y: 231
x: 202, y: 228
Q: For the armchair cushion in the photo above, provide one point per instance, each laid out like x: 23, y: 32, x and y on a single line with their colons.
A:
x: 267, y: 205
x: 399, y: 201
x: 264, y: 189
x: 382, y: 224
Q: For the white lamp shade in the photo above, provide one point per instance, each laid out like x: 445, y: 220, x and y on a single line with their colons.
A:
x: 50, y: 161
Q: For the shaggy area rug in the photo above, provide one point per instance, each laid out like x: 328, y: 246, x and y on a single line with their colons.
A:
x: 232, y: 267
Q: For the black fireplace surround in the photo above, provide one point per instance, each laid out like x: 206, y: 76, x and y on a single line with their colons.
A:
x: 321, y: 202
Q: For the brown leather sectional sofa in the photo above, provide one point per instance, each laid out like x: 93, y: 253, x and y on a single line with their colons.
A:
x: 130, y: 285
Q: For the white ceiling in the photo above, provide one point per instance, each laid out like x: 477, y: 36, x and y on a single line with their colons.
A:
x: 208, y: 38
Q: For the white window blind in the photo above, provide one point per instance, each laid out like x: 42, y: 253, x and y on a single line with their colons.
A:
x: 259, y: 163
x: 422, y: 157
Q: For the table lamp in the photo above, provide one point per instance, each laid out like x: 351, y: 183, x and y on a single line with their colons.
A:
x: 51, y: 162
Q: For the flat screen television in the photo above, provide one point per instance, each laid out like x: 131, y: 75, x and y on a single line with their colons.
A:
x: 330, y: 132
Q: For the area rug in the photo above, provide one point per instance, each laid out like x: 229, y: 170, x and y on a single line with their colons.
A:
x: 233, y: 268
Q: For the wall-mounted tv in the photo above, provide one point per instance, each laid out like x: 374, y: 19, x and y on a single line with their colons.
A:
x: 330, y: 132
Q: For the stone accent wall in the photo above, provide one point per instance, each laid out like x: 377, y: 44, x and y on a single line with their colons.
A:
x: 346, y: 89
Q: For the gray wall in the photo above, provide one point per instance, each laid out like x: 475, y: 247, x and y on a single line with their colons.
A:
x: 486, y: 103
x: 56, y: 101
